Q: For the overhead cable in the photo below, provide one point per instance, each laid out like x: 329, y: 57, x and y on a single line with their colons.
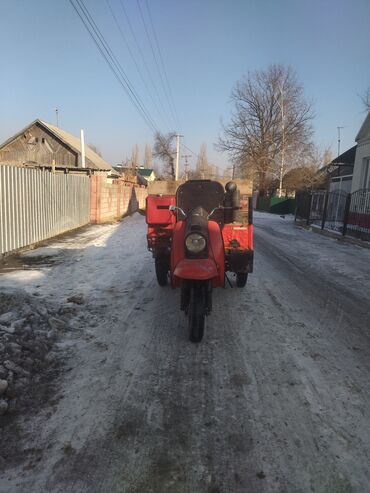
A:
x: 112, y: 61
x: 162, y: 63
x: 159, y: 110
x: 149, y: 73
x: 165, y: 91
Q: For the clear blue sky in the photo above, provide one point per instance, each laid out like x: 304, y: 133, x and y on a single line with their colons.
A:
x: 49, y: 60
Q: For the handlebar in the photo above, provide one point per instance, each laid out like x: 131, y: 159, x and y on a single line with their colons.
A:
x: 172, y: 208
x: 222, y: 208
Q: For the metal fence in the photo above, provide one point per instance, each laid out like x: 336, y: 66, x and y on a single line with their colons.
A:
x: 36, y: 204
x: 346, y: 213
x: 317, y: 207
x: 358, y: 223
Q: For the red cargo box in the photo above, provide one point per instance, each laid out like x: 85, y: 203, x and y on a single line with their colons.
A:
x: 162, y: 217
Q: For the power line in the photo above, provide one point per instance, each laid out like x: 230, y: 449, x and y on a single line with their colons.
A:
x: 160, y: 112
x: 162, y: 63
x: 112, y: 61
x: 188, y: 148
x: 143, y: 58
x: 155, y: 58
x: 111, y: 55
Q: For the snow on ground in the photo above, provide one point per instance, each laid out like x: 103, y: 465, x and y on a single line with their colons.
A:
x: 275, y: 398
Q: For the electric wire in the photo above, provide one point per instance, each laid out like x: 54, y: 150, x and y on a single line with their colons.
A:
x: 165, y: 91
x: 112, y: 61
x: 158, y: 109
x: 143, y: 58
x: 118, y: 66
x: 163, y: 65
x: 188, y: 148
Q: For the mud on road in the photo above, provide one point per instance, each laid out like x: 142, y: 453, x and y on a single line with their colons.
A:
x: 275, y: 398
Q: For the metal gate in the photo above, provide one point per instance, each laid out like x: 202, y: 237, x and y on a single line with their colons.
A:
x: 303, y: 205
x: 336, y: 209
x: 317, y: 207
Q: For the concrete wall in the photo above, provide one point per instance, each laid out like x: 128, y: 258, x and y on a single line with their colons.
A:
x: 112, y: 199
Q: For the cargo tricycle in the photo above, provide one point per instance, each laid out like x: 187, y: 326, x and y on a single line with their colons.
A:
x: 197, y: 236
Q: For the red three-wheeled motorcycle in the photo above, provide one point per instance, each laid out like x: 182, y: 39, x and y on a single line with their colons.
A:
x: 196, y: 236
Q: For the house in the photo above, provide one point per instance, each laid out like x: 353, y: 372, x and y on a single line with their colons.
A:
x: 146, y: 173
x: 41, y: 144
x: 361, y: 171
x: 340, y: 171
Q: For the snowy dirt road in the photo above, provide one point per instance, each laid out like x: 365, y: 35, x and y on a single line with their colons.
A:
x: 275, y: 398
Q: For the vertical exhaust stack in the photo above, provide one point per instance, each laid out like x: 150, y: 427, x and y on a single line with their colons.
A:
x: 232, y: 200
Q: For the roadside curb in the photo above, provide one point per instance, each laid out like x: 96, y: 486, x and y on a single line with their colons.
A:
x: 332, y: 234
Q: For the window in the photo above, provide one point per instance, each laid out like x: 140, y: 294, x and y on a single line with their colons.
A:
x: 43, y: 140
x: 365, y: 173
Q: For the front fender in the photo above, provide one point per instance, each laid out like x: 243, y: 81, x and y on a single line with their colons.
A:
x: 199, y: 269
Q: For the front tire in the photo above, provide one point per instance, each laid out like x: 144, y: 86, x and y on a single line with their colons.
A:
x: 161, y: 271
x: 241, y: 279
x: 196, y: 313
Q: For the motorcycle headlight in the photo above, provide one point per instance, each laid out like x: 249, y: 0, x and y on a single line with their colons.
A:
x: 195, y: 243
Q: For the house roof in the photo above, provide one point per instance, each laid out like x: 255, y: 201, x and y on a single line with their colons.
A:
x: 145, y: 171
x: 70, y: 140
x: 347, y: 157
x: 364, y: 131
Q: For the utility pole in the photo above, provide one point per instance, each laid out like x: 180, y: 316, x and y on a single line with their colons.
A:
x: 186, y: 156
x: 339, y: 129
x: 57, y: 116
x: 177, y: 155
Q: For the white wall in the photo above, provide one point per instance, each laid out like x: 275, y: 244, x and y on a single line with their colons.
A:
x: 362, y: 157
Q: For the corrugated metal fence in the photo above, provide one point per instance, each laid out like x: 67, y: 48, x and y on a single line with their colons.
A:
x: 37, y: 204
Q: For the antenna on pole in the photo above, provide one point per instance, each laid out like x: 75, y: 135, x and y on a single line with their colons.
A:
x: 339, y: 129
x: 57, y: 116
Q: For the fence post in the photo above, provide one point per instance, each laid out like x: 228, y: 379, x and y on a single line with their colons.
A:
x: 346, y: 214
x: 309, y: 209
x: 324, y: 211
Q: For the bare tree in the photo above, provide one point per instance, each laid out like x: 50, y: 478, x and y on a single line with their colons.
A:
x: 164, y: 149
x: 148, y: 159
x: 202, y: 162
x: 135, y: 158
x: 311, y: 170
x: 365, y: 98
x: 271, y: 121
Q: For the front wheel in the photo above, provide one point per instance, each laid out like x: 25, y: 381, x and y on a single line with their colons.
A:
x: 196, y: 313
x: 241, y: 279
x: 161, y: 271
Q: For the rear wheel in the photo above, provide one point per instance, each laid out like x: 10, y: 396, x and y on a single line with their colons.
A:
x: 241, y: 279
x: 196, y: 313
x: 161, y: 271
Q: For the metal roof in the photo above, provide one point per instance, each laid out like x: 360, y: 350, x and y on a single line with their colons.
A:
x: 144, y: 171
